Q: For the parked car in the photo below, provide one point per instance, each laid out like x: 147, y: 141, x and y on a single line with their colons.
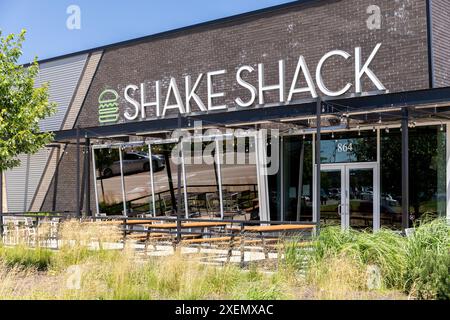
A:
x: 134, y: 162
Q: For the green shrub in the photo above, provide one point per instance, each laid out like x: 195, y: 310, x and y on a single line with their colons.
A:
x: 418, y: 265
x: 428, y: 261
x: 22, y: 256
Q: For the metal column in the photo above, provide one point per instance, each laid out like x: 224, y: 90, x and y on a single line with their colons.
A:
x: 77, y: 186
x: 180, y: 150
x: 405, y: 169
x: 55, y: 180
x: 87, y: 180
x: 317, y: 155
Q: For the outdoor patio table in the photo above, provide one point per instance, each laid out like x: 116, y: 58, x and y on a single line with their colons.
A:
x: 274, y: 228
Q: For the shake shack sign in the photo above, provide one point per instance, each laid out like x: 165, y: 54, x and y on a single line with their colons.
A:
x: 188, y: 100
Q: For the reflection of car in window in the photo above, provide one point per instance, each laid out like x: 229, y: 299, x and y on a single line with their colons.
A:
x: 133, y: 162
x: 388, y: 200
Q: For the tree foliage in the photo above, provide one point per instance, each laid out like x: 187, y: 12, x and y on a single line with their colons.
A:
x: 22, y: 105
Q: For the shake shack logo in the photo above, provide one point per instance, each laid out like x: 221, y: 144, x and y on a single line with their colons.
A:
x: 108, y: 107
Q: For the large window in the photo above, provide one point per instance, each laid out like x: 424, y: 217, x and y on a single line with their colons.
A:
x: 427, y: 174
x: 295, y: 179
x: 108, y: 181
x: 239, y: 178
x: 202, y: 178
x: 137, y: 187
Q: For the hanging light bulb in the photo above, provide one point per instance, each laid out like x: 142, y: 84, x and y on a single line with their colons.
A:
x: 332, y: 134
x: 442, y: 127
x: 359, y: 130
x: 387, y: 130
x: 304, y: 137
x: 374, y: 129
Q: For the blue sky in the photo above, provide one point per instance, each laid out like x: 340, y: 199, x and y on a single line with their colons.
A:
x: 104, y: 22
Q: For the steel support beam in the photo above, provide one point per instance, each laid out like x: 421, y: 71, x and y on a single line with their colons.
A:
x: 87, y: 179
x: 77, y: 183
x: 317, y: 156
x: 180, y: 150
x: 405, y: 170
x: 262, y: 113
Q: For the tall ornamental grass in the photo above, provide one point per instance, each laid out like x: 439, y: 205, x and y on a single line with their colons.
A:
x: 417, y: 265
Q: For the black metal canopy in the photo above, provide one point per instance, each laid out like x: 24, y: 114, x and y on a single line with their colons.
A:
x: 370, y: 103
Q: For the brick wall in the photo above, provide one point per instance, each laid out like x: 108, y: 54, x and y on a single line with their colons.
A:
x: 440, y: 10
x: 311, y: 29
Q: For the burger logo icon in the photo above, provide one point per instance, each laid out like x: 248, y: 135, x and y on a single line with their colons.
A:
x: 108, y: 107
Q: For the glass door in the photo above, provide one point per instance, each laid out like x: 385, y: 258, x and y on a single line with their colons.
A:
x: 348, y: 196
x: 332, y: 199
x: 361, y: 192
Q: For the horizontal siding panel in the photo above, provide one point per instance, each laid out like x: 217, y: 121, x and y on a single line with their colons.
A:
x: 21, y: 182
x: 62, y: 76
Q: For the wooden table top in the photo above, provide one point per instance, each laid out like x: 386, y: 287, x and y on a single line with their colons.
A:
x: 170, y: 225
x: 148, y: 221
x: 204, y: 224
x: 279, y: 227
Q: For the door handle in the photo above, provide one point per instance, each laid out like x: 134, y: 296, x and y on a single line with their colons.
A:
x: 339, y: 209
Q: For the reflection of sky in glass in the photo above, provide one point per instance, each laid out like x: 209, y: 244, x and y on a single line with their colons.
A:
x: 330, y: 153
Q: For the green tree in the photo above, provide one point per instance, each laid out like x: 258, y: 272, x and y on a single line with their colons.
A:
x: 21, y: 104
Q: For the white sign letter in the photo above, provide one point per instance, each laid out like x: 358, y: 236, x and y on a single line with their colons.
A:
x: 319, y: 78
x: 301, y: 65
x: 135, y: 104
x: 190, y: 93
x: 156, y: 103
x: 359, y: 72
x: 279, y: 86
x: 211, y: 94
x: 179, y: 105
x: 246, y: 85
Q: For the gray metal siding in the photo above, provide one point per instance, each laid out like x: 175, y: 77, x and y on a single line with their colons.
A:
x: 63, y: 76
x: 21, y: 182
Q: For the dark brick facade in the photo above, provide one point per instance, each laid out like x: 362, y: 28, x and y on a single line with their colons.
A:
x: 310, y: 29
x: 440, y: 21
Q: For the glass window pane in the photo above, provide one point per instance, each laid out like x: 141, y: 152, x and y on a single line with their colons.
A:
x: 330, y: 197
x: 361, y: 198
x: 239, y: 178
x: 427, y: 172
x: 297, y: 162
x: 166, y: 179
x: 136, y: 173
x: 202, y: 178
x: 108, y: 181
x: 351, y: 146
